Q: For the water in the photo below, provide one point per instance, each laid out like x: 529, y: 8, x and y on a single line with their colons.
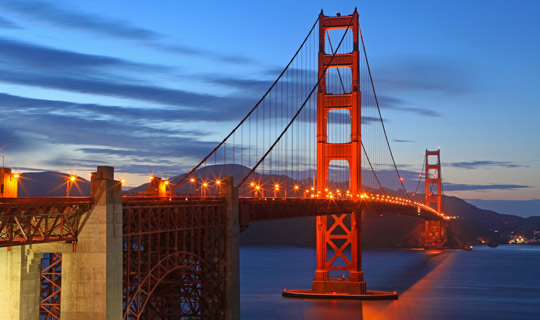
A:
x: 486, y: 283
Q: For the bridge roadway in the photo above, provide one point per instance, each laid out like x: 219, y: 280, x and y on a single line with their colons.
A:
x: 172, y: 249
x: 42, y: 220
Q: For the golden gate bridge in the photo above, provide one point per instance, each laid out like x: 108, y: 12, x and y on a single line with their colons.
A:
x: 315, y: 144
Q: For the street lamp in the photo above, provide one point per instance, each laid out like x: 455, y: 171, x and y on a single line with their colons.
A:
x: 203, y: 189
x: 218, y: 184
x: 70, y: 181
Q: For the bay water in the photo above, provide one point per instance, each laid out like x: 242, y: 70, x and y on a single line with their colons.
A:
x: 485, y: 283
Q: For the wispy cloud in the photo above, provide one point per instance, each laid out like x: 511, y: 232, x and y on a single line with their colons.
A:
x: 398, y: 104
x: 426, y: 73
x: 402, y: 141
x: 32, y: 57
x: 72, y: 18
x: 54, y: 15
x: 107, y: 132
x: 8, y: 24
x: 484, y: 164
x: 476, y: 187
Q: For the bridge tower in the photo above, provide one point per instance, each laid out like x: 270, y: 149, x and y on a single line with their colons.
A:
x: 330, y: 229
x: 433, y: 191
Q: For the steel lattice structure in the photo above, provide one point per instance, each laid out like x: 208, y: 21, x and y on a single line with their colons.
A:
x: 174, y: 259
x: 39, y: 220
x: 51, y: 286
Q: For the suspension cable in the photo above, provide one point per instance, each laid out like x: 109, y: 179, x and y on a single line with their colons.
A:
x: 300, y: 109
x: 250, y: 112
x: 380, y: 117
x: 420, y: 176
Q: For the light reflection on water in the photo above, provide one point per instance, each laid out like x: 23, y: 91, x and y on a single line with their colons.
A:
x: 501, y: 283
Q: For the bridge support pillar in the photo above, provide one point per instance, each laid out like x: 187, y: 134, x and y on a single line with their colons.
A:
x: 92, y: 276
x: 232, y: 278
x: 434, y: 235
x: 20, y: 275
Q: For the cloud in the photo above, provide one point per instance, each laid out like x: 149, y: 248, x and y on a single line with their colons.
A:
x: 228, y: 106
x: 402, y: 140
x: 392, y: 103
x: 10, y: 140
x: 7, y: 24
x: 484, y: 163
x: 246, y: 86
x: 475, y: 187
x: 54, y: 15
x: 107, y: 132
x: 424, y: 73
x: 220, y: 57
x: 32, y: 57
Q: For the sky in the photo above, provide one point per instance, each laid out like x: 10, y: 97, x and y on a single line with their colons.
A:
x: 149, y: 88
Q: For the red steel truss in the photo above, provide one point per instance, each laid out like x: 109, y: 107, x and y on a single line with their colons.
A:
x: 51, y: 286
x: 174, y: 259
x: 37, y: 220
x: 435, y: 238
x: 333, y: 236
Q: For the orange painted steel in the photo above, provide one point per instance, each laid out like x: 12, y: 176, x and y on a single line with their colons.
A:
x: 262, y: 209
x: 39, y: 220
x: 332, y: 231
x: 51, y: 286
x: 435, y: 238
x: 174, y: 258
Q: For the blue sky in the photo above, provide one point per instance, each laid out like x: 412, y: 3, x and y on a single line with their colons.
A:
x: 136, y: 84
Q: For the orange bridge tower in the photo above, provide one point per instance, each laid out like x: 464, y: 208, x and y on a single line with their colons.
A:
x: 341, y: 232
x: 435, y: 236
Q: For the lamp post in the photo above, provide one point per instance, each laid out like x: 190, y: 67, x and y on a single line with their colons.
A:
x: 70, y: 181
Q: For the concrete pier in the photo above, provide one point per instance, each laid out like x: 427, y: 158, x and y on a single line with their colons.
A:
x: 92, y: 276
x: 232, y: 278
x: 20, y: 271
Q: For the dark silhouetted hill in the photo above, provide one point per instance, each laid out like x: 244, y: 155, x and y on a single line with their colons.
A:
x: 51, y: 184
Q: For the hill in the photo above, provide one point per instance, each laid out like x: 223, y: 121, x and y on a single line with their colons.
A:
x: 51, y: 184
x: 473, y: 225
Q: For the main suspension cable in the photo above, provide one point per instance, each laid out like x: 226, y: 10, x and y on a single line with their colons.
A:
x: 250, y: 112
x: 299, y: 110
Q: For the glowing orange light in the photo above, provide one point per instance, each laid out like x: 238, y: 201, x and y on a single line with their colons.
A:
x: 166, y: 182
x: 151, y: 177
x: 123, y: 181
x: 312, y: 188
x: 252, y: 184
x: 72, y: 178
x: 257, y: 187
x: 296, y: 187
x: 218, y: 181
x: 192, y: 179
x: 400, y: 178
x: 205, y: 184
x: 16, y: 176
x: 276, y: 186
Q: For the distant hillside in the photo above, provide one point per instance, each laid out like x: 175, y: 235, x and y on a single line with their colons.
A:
x: 51, y: 184
x: 474, y: 225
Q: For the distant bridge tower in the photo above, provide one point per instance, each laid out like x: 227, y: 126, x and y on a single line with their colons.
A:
x: 348, y: 235
x: 435, y: 236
